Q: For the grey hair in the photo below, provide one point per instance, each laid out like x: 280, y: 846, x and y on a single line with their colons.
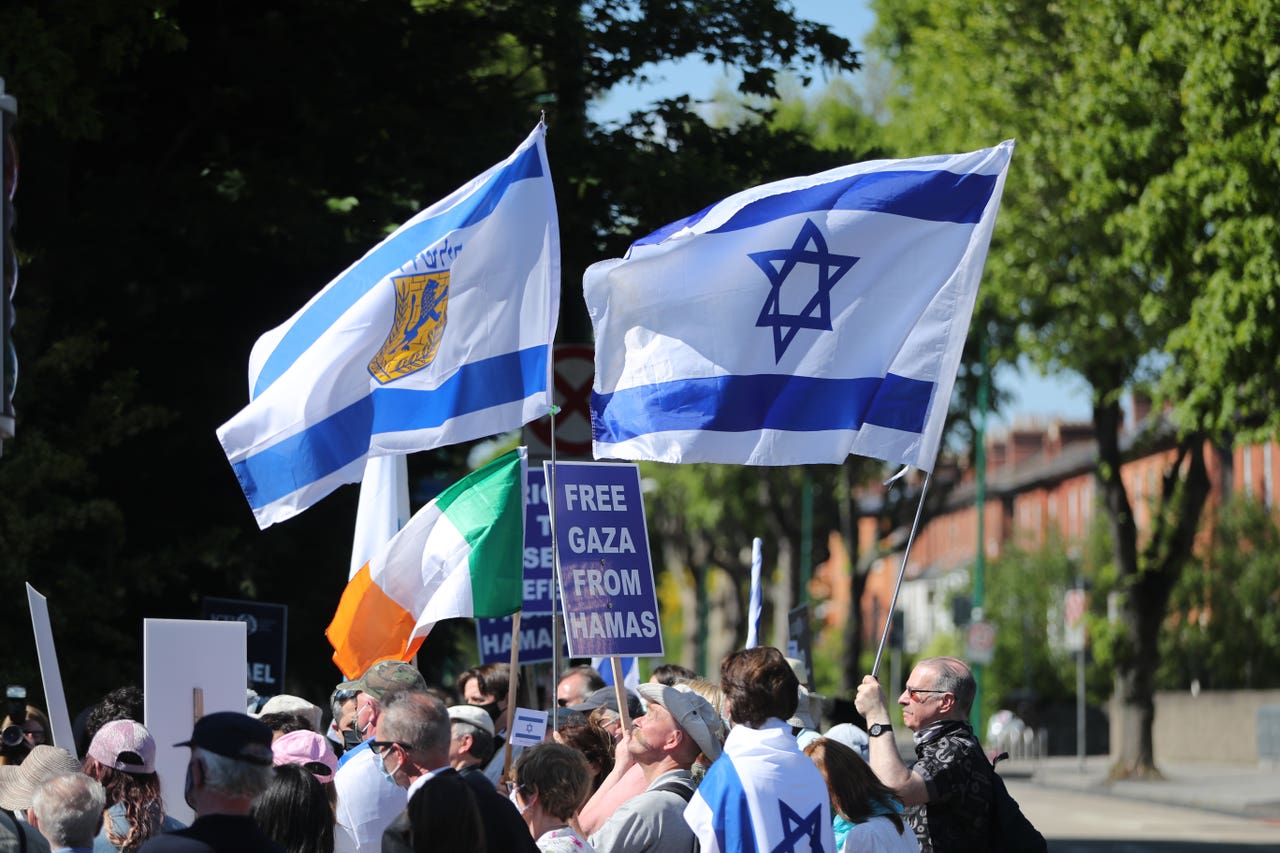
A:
x: 418, y: 719
x: 954, y: 676
x: 481, y: 741
x: 230, y: 776
x: 69, y: 809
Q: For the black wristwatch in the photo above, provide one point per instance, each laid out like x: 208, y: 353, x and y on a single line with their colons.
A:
x: 878, y: 729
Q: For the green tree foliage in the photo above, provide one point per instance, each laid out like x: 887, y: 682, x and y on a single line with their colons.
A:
x: 1109, y: 234
x: 193, y: 172
x: 1225, y: 626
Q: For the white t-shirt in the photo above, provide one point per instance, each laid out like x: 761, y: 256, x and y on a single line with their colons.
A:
x: 879, y: 835
x: 367, y: 803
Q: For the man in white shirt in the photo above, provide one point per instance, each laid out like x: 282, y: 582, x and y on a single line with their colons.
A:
x: 367, y: 800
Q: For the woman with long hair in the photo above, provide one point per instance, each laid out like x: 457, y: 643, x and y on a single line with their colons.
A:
x: 122, y: 756
x: 867, y: 816
x: 294, y: 811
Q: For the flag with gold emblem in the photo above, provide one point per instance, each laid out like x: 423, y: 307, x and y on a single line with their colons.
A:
x: 440, y: 334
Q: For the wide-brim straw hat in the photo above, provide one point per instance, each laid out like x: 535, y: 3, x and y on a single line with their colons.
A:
x: 18, y: 784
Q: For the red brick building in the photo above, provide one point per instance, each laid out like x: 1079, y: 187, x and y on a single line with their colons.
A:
x: 1039, y: 480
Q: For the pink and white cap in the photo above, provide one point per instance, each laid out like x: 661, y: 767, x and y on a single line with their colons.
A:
x: 124, y: 745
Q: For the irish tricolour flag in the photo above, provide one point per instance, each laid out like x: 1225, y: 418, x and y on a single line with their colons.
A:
x: 460, y: 555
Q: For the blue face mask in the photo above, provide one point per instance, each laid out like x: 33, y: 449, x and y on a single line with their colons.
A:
x: 389, y: 776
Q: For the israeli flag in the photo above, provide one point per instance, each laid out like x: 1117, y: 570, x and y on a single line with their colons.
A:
x: 630, y: 671
x: 762, y: 795
x: 799, y: 321
x: 440, y: 334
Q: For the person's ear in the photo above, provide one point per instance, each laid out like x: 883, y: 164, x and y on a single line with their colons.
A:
x: 33, y: 818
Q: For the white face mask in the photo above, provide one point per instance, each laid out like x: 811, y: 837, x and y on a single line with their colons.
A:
x: 521, y: 809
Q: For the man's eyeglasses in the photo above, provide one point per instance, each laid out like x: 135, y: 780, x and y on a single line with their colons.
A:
x: 912, y: 691
x: 378, y: 745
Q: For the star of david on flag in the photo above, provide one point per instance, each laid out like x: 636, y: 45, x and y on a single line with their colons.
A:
x: 796, y: 828
x: 778, y: 264
x: 799, y: 321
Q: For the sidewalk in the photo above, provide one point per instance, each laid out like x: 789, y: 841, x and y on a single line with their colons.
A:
x: 1248, y: 790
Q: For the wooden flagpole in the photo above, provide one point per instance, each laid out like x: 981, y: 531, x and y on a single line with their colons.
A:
x: 620, y: 690
x: 512, y: 699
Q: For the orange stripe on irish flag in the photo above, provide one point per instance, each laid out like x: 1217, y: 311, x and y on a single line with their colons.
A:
x: 369, y: 626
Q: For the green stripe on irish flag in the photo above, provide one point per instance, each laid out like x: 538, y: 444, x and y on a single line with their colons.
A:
x: 460, y: 555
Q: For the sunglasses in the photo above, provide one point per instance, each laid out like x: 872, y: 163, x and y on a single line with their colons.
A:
x: 912, y: 691
x: 379, y: 745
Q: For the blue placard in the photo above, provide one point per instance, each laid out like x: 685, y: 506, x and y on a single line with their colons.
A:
x: 538, y: 560
x: 494, y: 639
x: 606, y: 575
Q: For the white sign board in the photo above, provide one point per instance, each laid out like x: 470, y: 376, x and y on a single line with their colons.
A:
x: 55, y: 699
x: 179, y: 658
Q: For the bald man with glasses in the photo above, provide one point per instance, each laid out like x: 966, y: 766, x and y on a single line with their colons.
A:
x: 948, y: 791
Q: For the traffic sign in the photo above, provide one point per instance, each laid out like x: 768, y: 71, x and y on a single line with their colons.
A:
x: 574, y: 372
x: 981, y: 645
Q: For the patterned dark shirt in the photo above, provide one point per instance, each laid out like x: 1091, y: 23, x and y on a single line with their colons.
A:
x: 957, y: 777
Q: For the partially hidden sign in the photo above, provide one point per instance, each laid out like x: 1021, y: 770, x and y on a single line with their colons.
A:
x: 493, y: 636
x: 606, y: 574
x: 538, y: 561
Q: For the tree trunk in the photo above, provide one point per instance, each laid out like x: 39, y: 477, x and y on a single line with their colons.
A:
x: 1145, y: 581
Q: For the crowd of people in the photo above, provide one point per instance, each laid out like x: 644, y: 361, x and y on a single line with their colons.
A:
x: 686, y: 763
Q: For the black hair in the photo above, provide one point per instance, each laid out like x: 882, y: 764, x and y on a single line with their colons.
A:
x: 443, y: 816
x: 294, y: 811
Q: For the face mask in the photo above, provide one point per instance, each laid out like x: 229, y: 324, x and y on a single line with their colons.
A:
x: 492, y: 710
x: 350, y: 739
x: 389, y: 776
x: 188, y: 788
x: 521, y: 809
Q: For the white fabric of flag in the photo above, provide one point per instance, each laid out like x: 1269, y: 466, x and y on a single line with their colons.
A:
x: 762, y: 795
x: 799, y: 321
x: 383, y: 507
x: 756, y: 602
x: 440, y: 334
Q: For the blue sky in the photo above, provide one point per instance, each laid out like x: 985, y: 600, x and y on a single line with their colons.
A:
x: 1065, y: 396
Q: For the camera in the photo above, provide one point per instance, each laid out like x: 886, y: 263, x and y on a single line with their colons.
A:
x: 11, y: 737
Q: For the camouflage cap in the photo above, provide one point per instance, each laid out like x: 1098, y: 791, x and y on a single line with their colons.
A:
x: 384, y: 675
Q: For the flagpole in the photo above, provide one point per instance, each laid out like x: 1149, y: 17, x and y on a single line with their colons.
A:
x: 897, y: 587
x: 556, y: 663
x: 620, y: 690
x: 512, y: 699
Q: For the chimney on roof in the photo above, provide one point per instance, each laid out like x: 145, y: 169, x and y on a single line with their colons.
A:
x: 1141, y: 410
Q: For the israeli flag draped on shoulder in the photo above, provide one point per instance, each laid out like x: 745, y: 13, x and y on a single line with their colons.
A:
x: 799, y: 321
x: 762, y: 795
x: 439, y: 334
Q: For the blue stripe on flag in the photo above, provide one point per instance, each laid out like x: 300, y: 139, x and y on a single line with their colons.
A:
x: 723, y: 791
x: 932, y: 196
x: 387, y: 257
x: 764, y: 401
x: 343, y: 437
